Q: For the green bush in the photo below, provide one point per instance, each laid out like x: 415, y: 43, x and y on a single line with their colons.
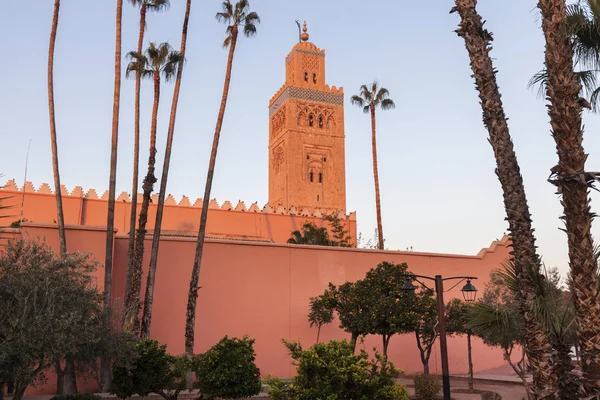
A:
x: 80, y: 396
x: 146, y: 368
x: 332, y: 371
x: 490, y: 396
x: 227, y: 370
x: 427, y: 387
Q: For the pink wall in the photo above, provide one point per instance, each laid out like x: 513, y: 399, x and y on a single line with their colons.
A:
x: 263, y: 290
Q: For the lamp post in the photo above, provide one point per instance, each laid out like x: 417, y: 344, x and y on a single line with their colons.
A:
x: 469, y: 293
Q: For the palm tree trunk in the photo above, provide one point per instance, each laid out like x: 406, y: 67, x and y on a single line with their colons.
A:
x: 132, y: 320
x: 110, y: 222
x: 59, y: 205
x: 538, y: 342
x: 563, y: 88
x: 190, y: 321
x: 470, y: 352
x: 149, y: 297
x: 136, y: 157
x: 376, y: 177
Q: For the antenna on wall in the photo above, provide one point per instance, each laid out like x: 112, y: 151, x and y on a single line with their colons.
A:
x: 299, y: 31
x: 25, y: 180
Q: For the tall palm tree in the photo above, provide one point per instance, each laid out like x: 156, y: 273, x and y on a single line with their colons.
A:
x: 573, y: 182
x: 156, y: 61
x: 59, y: 205
x: 369, y: 99
x: 149, y: 296
x: 145, y: 6
x: 110, y: 223
x: 235, y: 17
x: 538, y: 342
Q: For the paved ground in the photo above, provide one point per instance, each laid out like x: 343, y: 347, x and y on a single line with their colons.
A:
x: 508, y: 391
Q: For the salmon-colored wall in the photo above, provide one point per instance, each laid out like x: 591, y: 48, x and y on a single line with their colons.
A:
x: 224, y: 221
x: 263, y: 290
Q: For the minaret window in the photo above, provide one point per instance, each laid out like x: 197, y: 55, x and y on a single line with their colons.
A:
x: 320, y: 177
x: 320, y: 121
x: 306, y: 77
x: 310, y: 176
x: 310, y: 120
x: 315, y: 79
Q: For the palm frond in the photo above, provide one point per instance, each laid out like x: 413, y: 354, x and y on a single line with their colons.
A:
x: 157, y: 5
x: 366, y: 94
x: 357, y: 101
x: 252, y: 18
x: 223, y: 17
x: 366, y: 109
x: 388, y: 104
x: 249, y: 30
x: 227, y: 41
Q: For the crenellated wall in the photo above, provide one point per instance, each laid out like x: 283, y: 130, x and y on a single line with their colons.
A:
x: 181, y: 218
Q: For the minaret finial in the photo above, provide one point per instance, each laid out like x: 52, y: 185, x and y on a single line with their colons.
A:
x: 304, y: 36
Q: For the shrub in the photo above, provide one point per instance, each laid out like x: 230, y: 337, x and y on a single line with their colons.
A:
x: 79, y: 396
x: 490, y: 396
x: 332, y: 371
x: 227, y: 370
x: 147, y: 368
x: 427, y: 387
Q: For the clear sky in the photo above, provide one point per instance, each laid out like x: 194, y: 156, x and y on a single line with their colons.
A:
x: 439, y: 190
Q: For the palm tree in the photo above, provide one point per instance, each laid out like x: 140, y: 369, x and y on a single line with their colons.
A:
x: 145, y: 5
x: 312, y: 235
x: 155, y: 61
x: 537, y: 339
x: 59, y: 206
x: 235, y: 17
x: 573, y: 182
x: 149, y: 296
x: 369, y: 99
x: 110, y: 223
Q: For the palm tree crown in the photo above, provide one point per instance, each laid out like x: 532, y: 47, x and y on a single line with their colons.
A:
x: 373, y: 96
x: 151, y: 5
x: 236, y: 16
x: 155, y: 60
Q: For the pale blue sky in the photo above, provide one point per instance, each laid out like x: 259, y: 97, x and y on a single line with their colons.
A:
x: 439, y: 190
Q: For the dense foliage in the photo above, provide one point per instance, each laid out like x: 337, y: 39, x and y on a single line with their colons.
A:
x: 332, y: 371
x: 51, y: 311
x: 227, y: 370
x: 427, y: 387
x: 147, y: 368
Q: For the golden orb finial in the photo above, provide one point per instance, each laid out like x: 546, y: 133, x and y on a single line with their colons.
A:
x: 304, y: 36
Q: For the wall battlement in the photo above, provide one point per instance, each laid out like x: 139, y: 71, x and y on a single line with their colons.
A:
x: 124, y: 197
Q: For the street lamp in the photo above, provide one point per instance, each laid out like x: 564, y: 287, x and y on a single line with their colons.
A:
x: 469, y: 293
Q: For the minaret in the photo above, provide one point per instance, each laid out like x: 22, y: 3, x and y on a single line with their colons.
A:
x: 306, y: 135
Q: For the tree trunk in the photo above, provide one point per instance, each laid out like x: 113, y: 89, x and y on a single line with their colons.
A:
x: 70, y: 376
x: 132, y: 322
x: 149, y: 297
x: 60, y: 378
x: 386, y: 343
x: 136, y: 157
x: 376, y: 177
x: 353, y: 340
x: 110, y: 220
x: 318, y: 332
x: 190, y: 322
x: 59, y: 205
x: 562, y: 89
x: 469, y: 349
x: 19, y: 392
x: 538, y: 343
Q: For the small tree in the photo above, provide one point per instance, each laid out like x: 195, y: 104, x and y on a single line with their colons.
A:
x: 147, y: 368
x: 332, y: 371
x: 47, y: 316
x: 350, y: 298
x: 321, y: 311
x: 227, y: 370
x: 457, y: 323
x: 425, y: 325
x: 340, y: 234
